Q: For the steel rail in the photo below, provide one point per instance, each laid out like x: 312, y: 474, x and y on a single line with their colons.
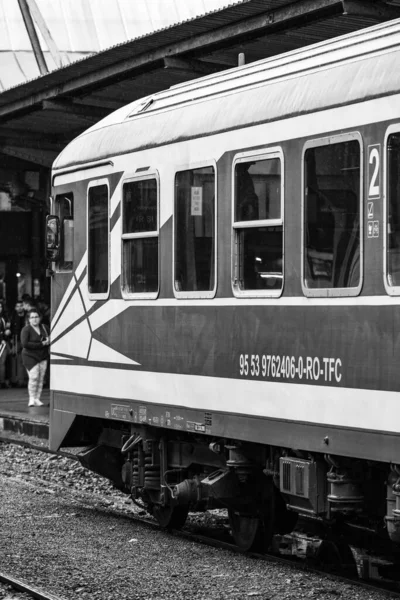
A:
x: 21, y: 586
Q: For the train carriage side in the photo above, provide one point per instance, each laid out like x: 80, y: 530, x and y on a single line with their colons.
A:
x: 226, y: 293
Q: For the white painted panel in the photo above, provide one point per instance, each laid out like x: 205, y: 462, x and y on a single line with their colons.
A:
x: 72, y: 313
x: 116, y: 251
x: 344, y: 407
x: 106, y: 312
x: 88, y: 302
x: 102, y: 353
x: 76, y: 343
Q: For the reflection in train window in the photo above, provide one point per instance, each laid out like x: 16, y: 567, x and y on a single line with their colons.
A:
x: 64, y: 209
x: 195, y: 230
x: 332, y: 216
x: 98, y: 242
x: 393, y: 210
x: 258, y: 226
x: 140, y: 237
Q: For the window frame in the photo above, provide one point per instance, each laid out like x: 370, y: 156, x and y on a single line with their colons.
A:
x: 391, y: 290
x: 55, y: 210
x: 317, y: 143
x: 242, y: 157
x: 98, y: 183
x: 153, y: 174
x: 192, y: 167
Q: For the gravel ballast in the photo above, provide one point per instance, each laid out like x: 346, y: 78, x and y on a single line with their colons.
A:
x: 59, y: 532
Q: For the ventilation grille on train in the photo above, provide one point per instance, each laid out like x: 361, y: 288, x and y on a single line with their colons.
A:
x: 294, y: 476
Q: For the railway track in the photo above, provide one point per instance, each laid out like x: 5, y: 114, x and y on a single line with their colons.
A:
x: 27, y: 589
x: 194, y: 533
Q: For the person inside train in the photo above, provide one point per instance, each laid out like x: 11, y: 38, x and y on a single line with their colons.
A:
x: 247, y: 199
x: 35, y: 341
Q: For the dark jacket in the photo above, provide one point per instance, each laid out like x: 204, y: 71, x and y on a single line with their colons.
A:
x: 4, y: 326
x: 17, y: 323
x: 33, y: 351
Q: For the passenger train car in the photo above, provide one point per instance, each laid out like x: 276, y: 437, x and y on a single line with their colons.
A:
x: 225, y: 262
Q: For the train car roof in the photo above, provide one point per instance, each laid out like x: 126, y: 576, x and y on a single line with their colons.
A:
x: 343, y: 71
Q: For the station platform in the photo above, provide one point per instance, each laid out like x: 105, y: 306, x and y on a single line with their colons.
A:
x: 19, y: 418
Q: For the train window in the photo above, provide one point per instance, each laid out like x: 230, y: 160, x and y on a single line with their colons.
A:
x: 140, y: 237
x: 98, y: 240
x: 393, y: 212
x: 64, y: 209
x: 332, y: 227
x: 258, y: 225
x: 194, y: 226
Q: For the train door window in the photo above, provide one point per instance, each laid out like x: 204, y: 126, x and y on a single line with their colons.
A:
x: 140, y: 271
x: 392, y: 241
x: 194, y: 233
x: 64, y: 209
x: 332, y: 262
x: 258, y: 224
x: 98, y: 240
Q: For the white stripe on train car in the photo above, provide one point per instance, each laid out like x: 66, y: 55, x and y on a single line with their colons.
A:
x: 106, y: 312
x: 83, y: 287
x: 101, y: 352
x: 73, y: 312
x: 78, y: 272
x: 76, y: 343
x: 342, y: 407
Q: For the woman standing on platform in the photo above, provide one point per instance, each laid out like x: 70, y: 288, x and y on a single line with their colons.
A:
x: 35, y: 343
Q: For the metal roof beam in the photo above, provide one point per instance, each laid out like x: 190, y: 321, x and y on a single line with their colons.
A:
x: 194, y: 67
x: 33, y: 37
x: 38, y: 157
x: 24, y: 139
x: 282, y: 18
x: 375, y: 9
x: 85, y: 111
x: 41, y: 23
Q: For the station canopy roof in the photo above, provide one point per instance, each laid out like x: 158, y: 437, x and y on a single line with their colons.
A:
x: 80, y: 28
x: 102, y: 54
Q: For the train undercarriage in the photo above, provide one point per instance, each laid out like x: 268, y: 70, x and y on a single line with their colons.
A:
x: 265, y: 489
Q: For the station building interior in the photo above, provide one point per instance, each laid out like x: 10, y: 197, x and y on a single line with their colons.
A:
x: 66, y: 64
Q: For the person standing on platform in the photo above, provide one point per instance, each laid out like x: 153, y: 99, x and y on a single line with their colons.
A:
x: 5, y: 334
x: 17, y: 321
x: 35, y: 341
x: 28, y: 305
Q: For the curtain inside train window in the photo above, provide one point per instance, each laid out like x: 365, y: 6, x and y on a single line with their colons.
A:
x: 393, y: 211
x: 258, y: 226
x: 332, y: 216
x: 194, y: 250
x: 140, y: 274
x: 98, y: 240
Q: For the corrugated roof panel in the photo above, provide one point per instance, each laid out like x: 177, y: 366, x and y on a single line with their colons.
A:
x: 267, y: 45
x: 81, y: 27
x: 13, y: 35
x: 15, y: 68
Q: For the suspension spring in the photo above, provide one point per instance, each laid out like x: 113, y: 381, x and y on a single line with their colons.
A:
x: 151, y: 473
x: 135, y: 467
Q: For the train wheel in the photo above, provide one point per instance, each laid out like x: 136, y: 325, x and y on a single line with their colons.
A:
x: 247, y: 530
x: 255, y: 531
x: 171, y: 517
x: 336, y: 555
